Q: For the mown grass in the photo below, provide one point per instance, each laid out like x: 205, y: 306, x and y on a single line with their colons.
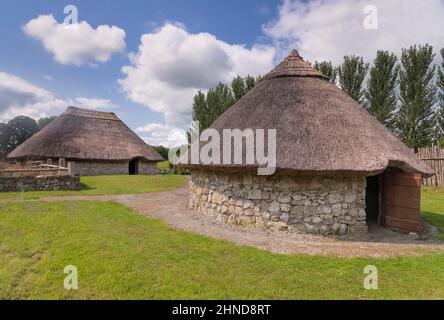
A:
x: 109, y: 185
x: 164, y: 166
x: 122, y: 255
x: 432, y: 205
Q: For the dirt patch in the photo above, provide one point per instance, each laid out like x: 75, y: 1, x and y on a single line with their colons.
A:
x: 171, y: 207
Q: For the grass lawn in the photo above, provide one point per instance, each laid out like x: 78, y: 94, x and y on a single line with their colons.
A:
x: 110, y: 185
x: 120, y: 254
x: 165, y: 166
x: 432, y: 205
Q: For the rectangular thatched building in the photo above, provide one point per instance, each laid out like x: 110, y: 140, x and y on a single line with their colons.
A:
x: 98, y: 142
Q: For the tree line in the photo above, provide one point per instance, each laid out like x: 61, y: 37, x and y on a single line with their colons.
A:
x: 18, y: 130
x: 406, y: 95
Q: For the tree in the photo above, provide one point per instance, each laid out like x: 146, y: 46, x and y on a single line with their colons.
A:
x: 15, y: 132
x: 441, y: 98
x: 200, y: 110
x: 163, y: 151
x: 327, y: 69
x: 207, y: 108
x: 21, y: 128
x: 415, y: 121
x: 43, y: 122
x: 219, y: 99
x: 351, y: 74
x: 4, y: 138
x: 380, y: 95
x: 238, y: 87
x: 250, y: 82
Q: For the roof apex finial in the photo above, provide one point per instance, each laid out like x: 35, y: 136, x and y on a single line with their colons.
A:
x: 294, y: 53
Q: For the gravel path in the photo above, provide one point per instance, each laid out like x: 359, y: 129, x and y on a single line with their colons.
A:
x: 171, y: 207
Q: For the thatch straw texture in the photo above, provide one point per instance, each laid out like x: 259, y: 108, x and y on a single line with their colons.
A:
x: 81, y: 134
x: 320, y: 129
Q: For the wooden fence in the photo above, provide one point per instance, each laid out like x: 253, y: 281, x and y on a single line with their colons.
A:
x: 434, y: 157
x: 35, y: 169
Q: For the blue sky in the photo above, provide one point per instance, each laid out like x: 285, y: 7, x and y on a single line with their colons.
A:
x: 189, y: 46
x: 232, y: 21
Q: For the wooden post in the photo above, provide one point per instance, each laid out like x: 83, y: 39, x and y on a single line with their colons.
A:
x: 62, y: 162
x: 49, y: 161
x: 72, y: 169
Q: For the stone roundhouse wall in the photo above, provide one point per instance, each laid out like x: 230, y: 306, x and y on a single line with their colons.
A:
x: 22, y: 184
x: 97, y: 168
x: 316, y: 205
x: 147, y: 167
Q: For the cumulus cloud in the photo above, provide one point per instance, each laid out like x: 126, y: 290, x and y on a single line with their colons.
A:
x: 330, y: 29
x: 94, y: 103
x: 161, y: 134
x: 171, y: 65
x: 19, y: 97
x: 78, y: 43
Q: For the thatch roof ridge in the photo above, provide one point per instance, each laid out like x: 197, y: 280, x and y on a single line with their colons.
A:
x: 83, y: 134
x: 294, y: 66
x: 320, y: 129
x: 91, y: 113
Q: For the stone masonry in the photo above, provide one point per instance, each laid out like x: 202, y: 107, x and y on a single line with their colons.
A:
x: 146, y: 167
x: 22, y: 184
x: 302, y: 204
x: 98, y: 168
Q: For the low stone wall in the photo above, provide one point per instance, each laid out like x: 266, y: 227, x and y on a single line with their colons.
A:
x: 33, y: 172
x: 96, y: 168
x: 316, y: 205
x: 22, y: 184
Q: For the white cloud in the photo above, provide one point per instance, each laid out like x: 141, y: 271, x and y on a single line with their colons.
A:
x: 93, y: 103
x: 330, y: 29
x: 171, y: 65
x: 19, y: 97
x: 161, y: 134
x: 78, y: 43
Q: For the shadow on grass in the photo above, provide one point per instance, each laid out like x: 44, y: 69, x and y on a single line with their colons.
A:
x: 436, y: 220
x: 85, y: 187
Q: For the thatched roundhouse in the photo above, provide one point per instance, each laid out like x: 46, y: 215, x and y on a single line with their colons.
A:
x: 338, y: 170
x: 99, y: 143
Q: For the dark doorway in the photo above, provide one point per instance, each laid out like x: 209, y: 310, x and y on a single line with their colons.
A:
x: 133, y: 167
x: 372, y: 199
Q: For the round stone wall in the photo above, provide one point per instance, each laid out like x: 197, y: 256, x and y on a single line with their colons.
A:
x: 315, y: 205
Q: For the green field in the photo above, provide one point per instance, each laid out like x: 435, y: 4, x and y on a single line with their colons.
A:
x: 432, y: 205
x: 124, y: 255
x: 110, y: 185
x: 120, y: 254
x: 165, y: 166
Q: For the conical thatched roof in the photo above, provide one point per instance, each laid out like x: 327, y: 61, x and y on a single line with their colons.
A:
x: 320, y: 129
x: 86, y: 135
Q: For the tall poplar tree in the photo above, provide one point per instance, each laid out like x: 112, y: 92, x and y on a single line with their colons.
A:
x: 441, y: 97
x: 351, y: 74
x: 208, y: 107
x: 238, y: 87
x: 200, y: 110
x: 415, y: 123
x: 219, y: 99
x: 327, y: 69
x: 380, y: 95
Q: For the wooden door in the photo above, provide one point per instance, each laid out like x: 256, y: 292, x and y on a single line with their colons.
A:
x: 401, y: 197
